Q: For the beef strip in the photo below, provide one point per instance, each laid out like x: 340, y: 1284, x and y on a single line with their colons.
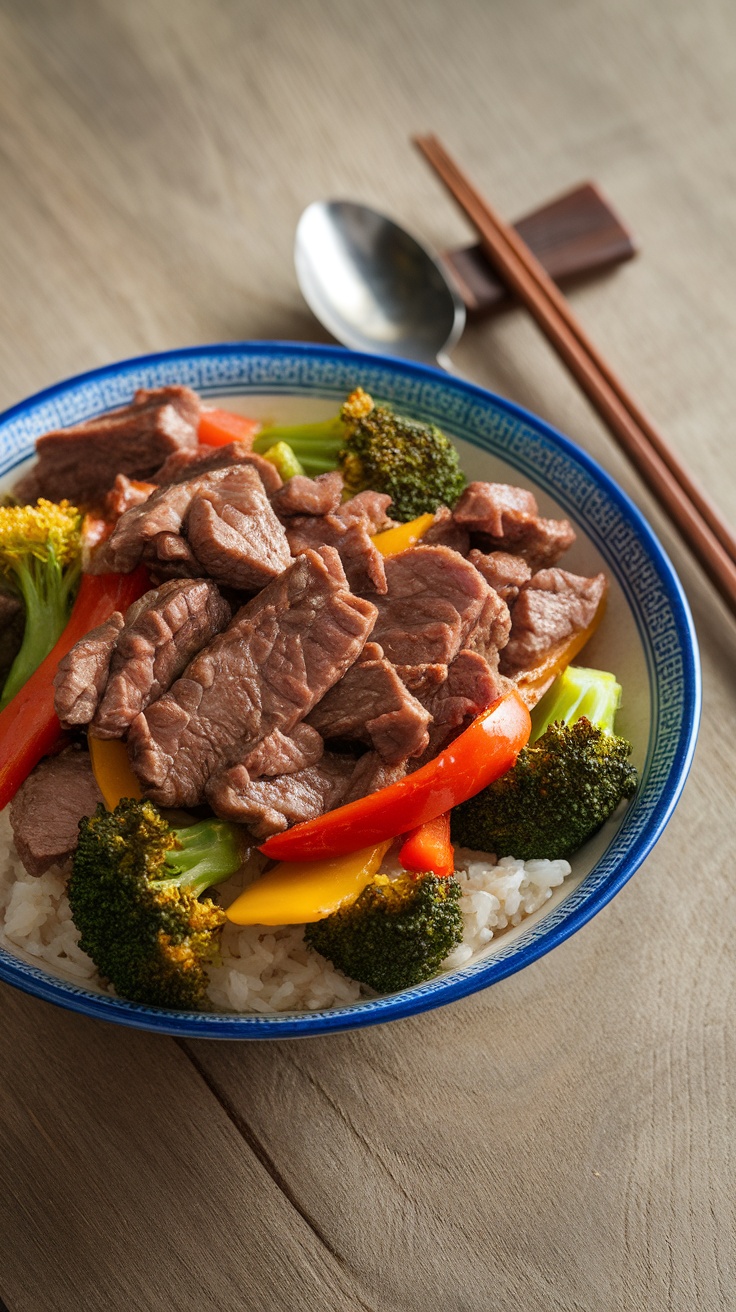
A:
x: 452, y: 694
x: 500, y: 517
x: 445, y: 532
x: 549, y: 608
x: 282, y: 753
x: 279, y: 656
x: 81, y: 462
x: 309, y: 496
x: 162, y: 632
x: 183, y: 465
x: 218, y: 524
x: 367, y: 508
x: 81, y: 675
x: 124, y: 493
x: 370, y: 704
x: 434, y: 603
x: 505, y: 573
x: 267, y: 806
x: 234, y: 532
x: 361, y: 559
x: 12, y: 624
x: 371, y: 772
x: 47, y: 808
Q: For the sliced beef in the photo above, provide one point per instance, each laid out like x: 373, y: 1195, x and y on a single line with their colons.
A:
x: 505, y: 573
x: 82, y: 462
x: 267, y: 806
x: 277, y: 659
x: 183, y: 465
x: 500, y: 517
x: 124, y: 493
x: 490, y: 633
x: 81, y: 676
x: 234, y: 532
x: 162, y: 632
x: 434, y: 603
x: 12, y: 624
x: 46, y: 810
x: 549, y: 608
x: 369, y: 509
x: 309, y: 496
x: 285, y: 753
x: 218, y: 524
x: 452, y: 693
x: 370, y: 704
x: 361, y: 559
x: 371, y: 773
x: 445, y: 532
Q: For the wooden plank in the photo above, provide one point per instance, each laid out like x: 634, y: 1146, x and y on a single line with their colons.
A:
x: 125, y: 1185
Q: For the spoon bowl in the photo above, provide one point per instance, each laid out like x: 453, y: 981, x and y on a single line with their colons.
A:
x: 374, y: 286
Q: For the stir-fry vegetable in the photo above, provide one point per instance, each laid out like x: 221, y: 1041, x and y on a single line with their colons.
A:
x: 566, y: 782
x: 296, y: 892
x: 483, y: 752
x: 29, y: 726
x: 395, y: 934
x: 40, y: 554
x: 111, y: 769
x: 221, y: 427
x: 393, y: 540
x: 135, y: 894
x: 428, y: 847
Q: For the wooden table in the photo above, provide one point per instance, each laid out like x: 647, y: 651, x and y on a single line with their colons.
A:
x: 564, y: 1140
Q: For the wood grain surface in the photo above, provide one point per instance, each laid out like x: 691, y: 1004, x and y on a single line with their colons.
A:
x: 565, y: 1139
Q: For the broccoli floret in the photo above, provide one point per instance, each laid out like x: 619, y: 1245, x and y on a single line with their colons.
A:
x: 414, y: 463
x: 566, y: 782
x: 395, y: 934
x: 135, y: 895
x: 40, y: 560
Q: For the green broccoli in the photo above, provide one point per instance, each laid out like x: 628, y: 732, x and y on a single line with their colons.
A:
x: 414, y: 463
x: 40, y: 560
x: 395, y: 934
x: 566, y: 782
x: 135, y: 895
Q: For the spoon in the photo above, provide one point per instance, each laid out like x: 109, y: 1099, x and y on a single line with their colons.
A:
x: 374, y: 286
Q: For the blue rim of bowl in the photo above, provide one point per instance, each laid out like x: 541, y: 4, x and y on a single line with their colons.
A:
x: 299, y: 368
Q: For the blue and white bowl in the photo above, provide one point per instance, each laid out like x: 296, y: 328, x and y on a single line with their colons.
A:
x: 646, y: 638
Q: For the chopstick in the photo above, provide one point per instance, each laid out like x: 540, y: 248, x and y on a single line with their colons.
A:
x: 700, y: 524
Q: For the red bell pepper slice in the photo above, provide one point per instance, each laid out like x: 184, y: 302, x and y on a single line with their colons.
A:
x: 485, y: 751
x: 428, y: 847
x: 220, y: 427
x: 29, y: 727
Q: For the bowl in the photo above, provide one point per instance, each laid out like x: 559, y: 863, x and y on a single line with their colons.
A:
x: 646, y: 638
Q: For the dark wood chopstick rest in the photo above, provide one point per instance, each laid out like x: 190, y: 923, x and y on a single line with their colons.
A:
x: 575, y: 234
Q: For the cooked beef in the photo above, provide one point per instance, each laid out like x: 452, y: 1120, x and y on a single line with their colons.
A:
x: 505, y: 573
x: 490, y: 633
x: 367, y: 508
x: 371, y: 773
x: 451, y: 693
x: 27, y: 489
x: 46, y: 810
x: 82, y: 462
x: 445, y: 532
x: 267, y: 806
x: 278, y: 657
x: 282, y: 753
x: 12, y: 624
x: 309, y: 496
x: 162, y: 632
x: 81, y: 676
x: 434, y: 603
x: 218, y: 524
x: 234, y: 533
x: 183, y: 465
x: 361, y: 559
x: 124, y: 493
x: 370, y: 704
x: 550, y: 607
x: 500, y: 517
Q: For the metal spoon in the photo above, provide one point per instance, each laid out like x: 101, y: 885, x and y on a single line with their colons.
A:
x: 374, y: 286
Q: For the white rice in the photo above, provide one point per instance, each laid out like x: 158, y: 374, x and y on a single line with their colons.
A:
x: 265, y: 969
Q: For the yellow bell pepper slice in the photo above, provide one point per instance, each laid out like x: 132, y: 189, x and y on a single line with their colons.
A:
x: 295, y: 892
x: 394, y: 540
x: 112, y: 771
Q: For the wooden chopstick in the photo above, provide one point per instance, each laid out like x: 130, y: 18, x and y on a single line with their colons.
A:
x: 699, y: 522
